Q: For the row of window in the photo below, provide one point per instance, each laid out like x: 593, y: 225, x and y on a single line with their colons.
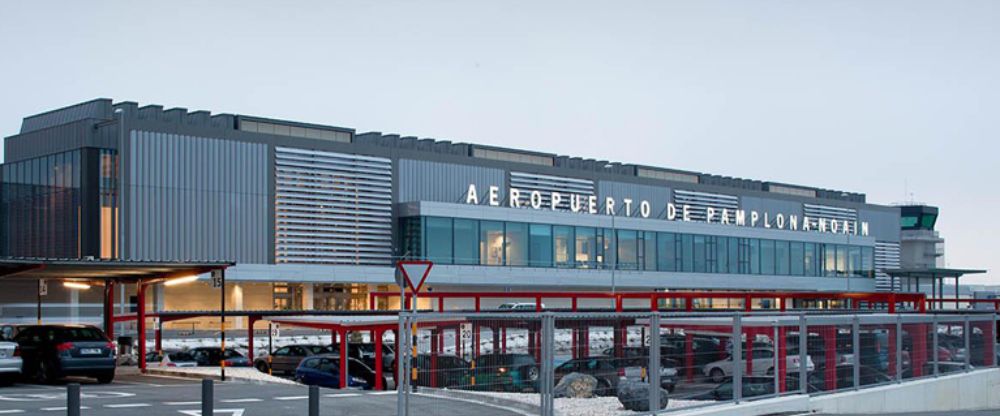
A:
x: 498, y: 243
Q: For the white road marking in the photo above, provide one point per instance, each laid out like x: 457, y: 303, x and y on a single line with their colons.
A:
x: 10, y: 411
x: 248, y: 400
x: 181, y: 403
x: 60, y: 409
x: 231, y: 412
x: 342, y: 395
x: 126, y: 405
x: 381, y: 393
x: 291, y: 398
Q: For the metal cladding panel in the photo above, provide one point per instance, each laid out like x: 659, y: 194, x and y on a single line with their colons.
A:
x: 883, y: 224
x: 701, y: 201
x: 332, y: 208
x: 547, y: 184
x: 54, y: 140
x: 772, y: 206
x: 196, y: 199
x: 886, y: 258
x: 658, y: 196
x: 100, y: 108
x: 421, y: 180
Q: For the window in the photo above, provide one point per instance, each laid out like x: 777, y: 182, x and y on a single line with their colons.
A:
x: 608, y: 257
x: 699, y: 254
x: 841, y: 260
x: 586, y: 248
x: 722, y: 254
x: 466, y: 241
x: 868, y: 262
x: 687, y: 252
x: 628, y: 249
x: 797, y: 258
x: 734, y: 255
x: 666, y: 252
x: 511, y: 156
x: 491, y: 243
x: 564, y: 245
x: 517, y: 244
x: 854, y: 261
x: 649, y: 251
x: 781, y: 258
x: 754, y: 256
x: 281, y: 352
x: 829, y: 253
x: 438, y: 233
x: 811, y: 260
x: 540, y: 251
x: 767, y: 257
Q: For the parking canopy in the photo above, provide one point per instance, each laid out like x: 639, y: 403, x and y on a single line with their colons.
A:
x: 103, y: 270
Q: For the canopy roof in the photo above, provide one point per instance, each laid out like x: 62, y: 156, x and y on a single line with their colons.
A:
x: 932, y: 273
x: 121, y: 271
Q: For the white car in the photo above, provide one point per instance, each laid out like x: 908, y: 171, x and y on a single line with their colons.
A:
x: 10, y: 362
x: 519, y: 306
x: 763, y: 365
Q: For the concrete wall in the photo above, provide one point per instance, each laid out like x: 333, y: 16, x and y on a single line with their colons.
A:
x: 976, y: 390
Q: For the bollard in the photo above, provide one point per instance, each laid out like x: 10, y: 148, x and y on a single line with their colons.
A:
x: 73, y: 399
x: 207, y: 397
x: 313, y: 401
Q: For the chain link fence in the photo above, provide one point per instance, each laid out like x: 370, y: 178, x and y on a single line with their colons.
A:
x: 579, y: 364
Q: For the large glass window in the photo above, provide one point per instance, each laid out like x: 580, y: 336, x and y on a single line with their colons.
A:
x: 868, y: 261
x: 841, y: 260
x: 734, y: 255
x: 699, y: 254
x: 628, y: 250
x: 754, y: 256
x: 466, y: 241
x: 666, y: 253
x: 607, y: 240
x: 438, y: 239
x: 541, y: 245
x: 563, y: 246
x: 781, y: 258
x: 517, y: 244
x: 649, y: 251
x: 687, y: 252
x: 829, y: 252
x: 797, y: 259
x: 491, y: 243
x: 854, y: 261
x: 767, y: 257
x: 722, y: 254
x: 586, y: 247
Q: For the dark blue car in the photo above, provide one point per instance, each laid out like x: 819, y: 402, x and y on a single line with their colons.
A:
x: 324, y: 371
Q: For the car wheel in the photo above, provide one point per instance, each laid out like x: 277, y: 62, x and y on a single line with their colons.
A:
x: 106, y: 377
x: 262, y: 367
x: 717, y: 375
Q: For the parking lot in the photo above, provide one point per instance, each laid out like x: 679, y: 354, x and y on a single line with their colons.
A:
x: 156, y: 395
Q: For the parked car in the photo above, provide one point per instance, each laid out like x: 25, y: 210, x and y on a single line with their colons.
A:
x: 845, y: 377
x: 508, y: 372
x: 286, y: 359
x: 51, y: 352
x: 213, y: 357
x: 519, y: 306
x: 449, y: 371
x: 763, y: 364
x: 365, y: 351
x: 606, y: 370
x: 171, y: 358
x: 10, y: 362
x: 636, y: 362
x: 751, y: 386
x: 705, y: 349
x: 357, y: 368
x: 324, y: 371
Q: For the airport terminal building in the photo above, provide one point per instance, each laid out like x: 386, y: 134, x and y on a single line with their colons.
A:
x: 315, y: 216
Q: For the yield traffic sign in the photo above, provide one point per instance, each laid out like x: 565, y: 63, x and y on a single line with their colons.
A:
x: 414, y: 268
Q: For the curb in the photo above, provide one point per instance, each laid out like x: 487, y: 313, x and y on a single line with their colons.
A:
x: 484, y: 398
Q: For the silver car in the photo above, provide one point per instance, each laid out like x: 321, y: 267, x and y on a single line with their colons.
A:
x: 10, y: 362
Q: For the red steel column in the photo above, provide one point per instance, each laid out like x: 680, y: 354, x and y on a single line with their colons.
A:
x: 618, y: 343
x: 140, y: 323
x: 250, y: 321
x: 109, y: 309
x: 343, y: 358
x: 892, y: 349
x: 458, y: 341
x: 751, y: 334
x: 158, y: 337
x: 585, y: 341
x: 377, y: 339
x: 575, y: 342
x: 830, y: 349
x: 475, y: 340
x: 918, y: 357
x: 495, y: 330
x: 503, y: 339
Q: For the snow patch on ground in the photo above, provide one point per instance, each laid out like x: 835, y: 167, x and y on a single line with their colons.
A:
x: 597, y: 406
x: 235, y: 373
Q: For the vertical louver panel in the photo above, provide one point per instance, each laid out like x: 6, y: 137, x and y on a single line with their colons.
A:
x: 701, y: 201
x: 886, y: 258
x: 332, y: 208
x: 528, y: 182
x: 815, y: 212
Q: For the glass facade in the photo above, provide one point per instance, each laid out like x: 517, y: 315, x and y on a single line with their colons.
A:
x: 499, y: 243
x: 41, y: 206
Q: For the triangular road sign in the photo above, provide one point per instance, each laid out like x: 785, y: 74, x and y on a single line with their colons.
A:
x: 415, y: 269
x: 217, y: 412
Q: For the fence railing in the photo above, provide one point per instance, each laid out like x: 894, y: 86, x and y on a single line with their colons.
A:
x: 611, y: 360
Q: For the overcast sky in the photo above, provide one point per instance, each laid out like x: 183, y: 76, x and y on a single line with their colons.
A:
x: 888, y: 98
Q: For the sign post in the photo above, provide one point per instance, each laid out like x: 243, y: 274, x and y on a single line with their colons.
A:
x: 219, y: 281
x: 420, y: 268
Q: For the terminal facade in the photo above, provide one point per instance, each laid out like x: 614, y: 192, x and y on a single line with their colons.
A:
x: 315, y: 216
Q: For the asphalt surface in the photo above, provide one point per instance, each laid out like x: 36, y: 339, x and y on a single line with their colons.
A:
x: 146, y: 395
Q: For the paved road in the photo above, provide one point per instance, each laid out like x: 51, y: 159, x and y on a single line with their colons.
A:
x: 133, y: 395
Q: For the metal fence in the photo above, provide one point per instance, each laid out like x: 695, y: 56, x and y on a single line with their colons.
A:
x: 579, y: 363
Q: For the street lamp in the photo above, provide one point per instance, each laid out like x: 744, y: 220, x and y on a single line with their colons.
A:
x: 180, y: 280
x: 76, y: 285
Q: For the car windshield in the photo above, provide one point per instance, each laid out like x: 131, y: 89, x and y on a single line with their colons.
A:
x: 79, y: 334
x: 316, y: 349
